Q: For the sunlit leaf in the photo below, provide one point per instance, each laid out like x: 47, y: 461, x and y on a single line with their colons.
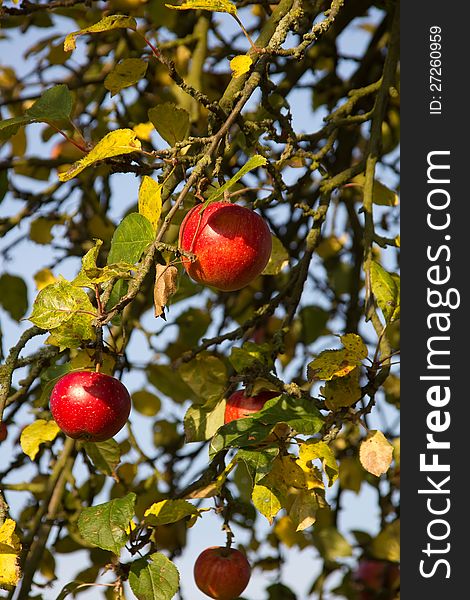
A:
x: 201, y: 422
x: 312, y: 450
x: 150, y: 200
x: 106, y: 24
x: 169, y: 511
x: 212, y: 5
x: 386, y: 291
x: 115, y: 143
x: 39, y: 432
x: 240, y: 65
x: 253, y: 163
x: 10, y: 548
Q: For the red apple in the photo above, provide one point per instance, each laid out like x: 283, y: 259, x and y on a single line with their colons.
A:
x: 222, y: 573
x: 232, y: 245
x: 90, y: 406
x: 377, y: 579
x: 3, y: 432
x: 238, y: 405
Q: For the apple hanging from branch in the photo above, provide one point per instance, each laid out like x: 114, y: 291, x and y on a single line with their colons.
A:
x: 222, y: 573
x: 232, y: 245
x: 90, y: 406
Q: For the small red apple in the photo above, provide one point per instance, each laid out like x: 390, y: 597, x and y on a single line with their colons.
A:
x: 232, y: 245
x: 222, y: 573
x: 377, y: 579
x: 238, y: 405
x: 90, y: 406
x: 3, y: 431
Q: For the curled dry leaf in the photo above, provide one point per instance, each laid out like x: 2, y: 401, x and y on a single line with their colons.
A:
x: 376, y: 453
x: 165, y: 287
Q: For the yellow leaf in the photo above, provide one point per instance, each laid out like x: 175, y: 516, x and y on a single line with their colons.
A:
x: 354, y: 344
x: 285, y: 531
x: 376, y: 453
x: 150, y: 200
x: 213, y: 5
x: 43, y: 278
x: 240, y: 65
x: 146, y: 403
x: 381, y: 194
x: 37, y: 433
x: 386, y: 546
x: 312, y: 450
x: 143, y: 131
x: 266, y: 501
x: 9, y: 551
x: 115, y: 143
x: 331, y: 363
x: 303, y: 510
x: 106, y: 24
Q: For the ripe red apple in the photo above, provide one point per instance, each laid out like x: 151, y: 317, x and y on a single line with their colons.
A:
x: 232, y: 245
x: 377, y: 579
x: 90, y: 406
x: 238, y: 405
x: 3, y: 431
x: 222, y: 573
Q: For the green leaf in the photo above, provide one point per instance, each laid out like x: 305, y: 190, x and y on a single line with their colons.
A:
x: 55, y: 104
x: 342, y: 391
x: 105, y: 455
x: 115, y: 143
x: 73, y: 332
x: 3, y: 181
x: 212, y: 5
x: 37, y: 433
x: 169, y: 382
x: 251, y: 355
x: 154, y: 580
x: 279, y: 258
x: 106, y: 24
x: 331, y: 544
x: 90, y: 275
x: 171, y: 122
x: 298, y: 413
x: 314, y: 320
x: 8, y: 127
x: 150, y: 200
x: 57, y: 303
x: 13, y: 295
x: 146, y: 403
x: 106, y: 525
x: 169, y: 511
x: 201, y: 422
x: 259, y: 462
x: 386, y: 545
x: 49, y: 378
x: 206, y: 375
x: 381, y: 194
x: 130, y: 239
x: 331, y: 363
x: 125, y: 74
x: 386, y: 291
x: 253, y: 163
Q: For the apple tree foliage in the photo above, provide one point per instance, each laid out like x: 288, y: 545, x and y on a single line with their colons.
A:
x: 256, y: 102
